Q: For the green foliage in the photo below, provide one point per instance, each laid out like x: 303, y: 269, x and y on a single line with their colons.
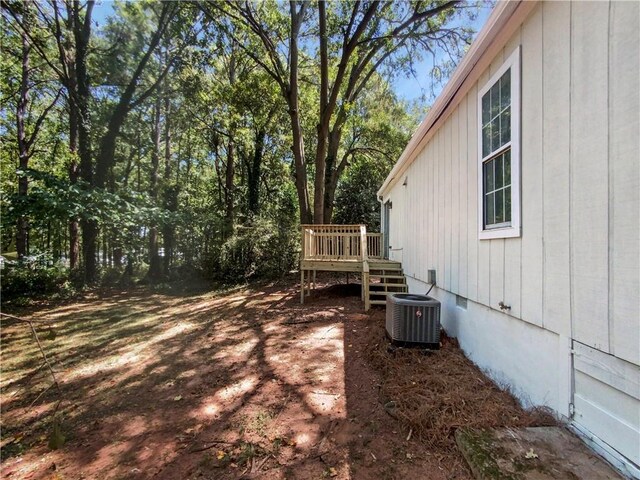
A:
x: 262, y: 249
x: 203, y: 160
x: 55, y: 198
x: 110, y: 276
x: 356, y: 200
x: 34, y: 279
x: 377, y: 135
x: 265, y: 246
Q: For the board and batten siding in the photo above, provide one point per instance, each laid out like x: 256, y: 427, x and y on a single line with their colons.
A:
x: 575, y: 269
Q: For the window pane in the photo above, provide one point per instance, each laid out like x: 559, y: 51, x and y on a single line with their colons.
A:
x: 499, y: 196
x: 486, y: 141
x: 498, y: 172
x: 507, y: 167
x: 495, y: 134
x: 488, y: 176
x: 495, y: 99
x: 489, y: 218
x: 485, y: 108
x: 496, y: 183
x: 496, y: 114
x: 505, y: 126
x: 505, y: 90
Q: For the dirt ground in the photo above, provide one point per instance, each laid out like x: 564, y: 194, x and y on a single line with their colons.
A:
x: 242, y: 384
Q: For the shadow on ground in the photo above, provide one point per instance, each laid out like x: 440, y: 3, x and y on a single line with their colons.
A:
x: 241, y: 384
x: 157, y: 386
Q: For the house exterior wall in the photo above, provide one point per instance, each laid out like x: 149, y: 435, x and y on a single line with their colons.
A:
x: 536, y: 369
x: 574, y: 272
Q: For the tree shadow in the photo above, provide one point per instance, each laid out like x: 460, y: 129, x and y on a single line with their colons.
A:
x: 149, y: 380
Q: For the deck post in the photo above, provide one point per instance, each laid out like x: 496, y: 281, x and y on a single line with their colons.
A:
x: 365, y: 284
x: 301, y: 285
x: 363, y: 243
x: 313, y: 285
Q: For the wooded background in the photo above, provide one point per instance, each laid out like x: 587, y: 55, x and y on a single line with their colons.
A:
x: 168, y: 138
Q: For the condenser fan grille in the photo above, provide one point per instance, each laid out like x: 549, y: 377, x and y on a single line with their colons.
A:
x: 413, y: 319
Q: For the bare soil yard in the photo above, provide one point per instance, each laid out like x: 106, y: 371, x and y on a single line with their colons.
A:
x: 242, y: 384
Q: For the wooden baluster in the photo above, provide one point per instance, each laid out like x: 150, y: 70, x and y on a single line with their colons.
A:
x: 347, y: 252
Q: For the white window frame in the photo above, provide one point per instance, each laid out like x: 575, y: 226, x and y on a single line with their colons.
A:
x: 514, y: 229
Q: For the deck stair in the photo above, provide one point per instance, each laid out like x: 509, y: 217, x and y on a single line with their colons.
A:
x: 385, y: 278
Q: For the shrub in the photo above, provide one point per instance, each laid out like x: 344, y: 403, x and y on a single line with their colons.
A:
x: 260, y: 249
x: 111, y: 276
x: 30, y: 279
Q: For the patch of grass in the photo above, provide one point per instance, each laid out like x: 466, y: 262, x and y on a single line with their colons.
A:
x: 247, y: 452
x: 276, y: 444
x: 239, y: 424
x: 260, y: 422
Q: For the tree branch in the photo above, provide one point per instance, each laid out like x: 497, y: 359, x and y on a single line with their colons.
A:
x: 31, y: 39
x: 38, y: 124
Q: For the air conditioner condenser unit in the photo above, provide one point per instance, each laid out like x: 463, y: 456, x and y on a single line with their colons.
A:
x: 413, y: 319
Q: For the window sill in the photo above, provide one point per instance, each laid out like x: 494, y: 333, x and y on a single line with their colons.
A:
x: 507, y: 232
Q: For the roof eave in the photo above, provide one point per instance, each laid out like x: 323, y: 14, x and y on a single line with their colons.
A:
x: 504, y: 19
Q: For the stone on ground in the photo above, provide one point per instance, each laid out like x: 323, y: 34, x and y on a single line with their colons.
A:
x: 538, y: 453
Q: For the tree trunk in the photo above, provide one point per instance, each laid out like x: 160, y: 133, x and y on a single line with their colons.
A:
x: 170, y: 193
x: 106, y: 154
x: 105, y: 249
x: 334, y: 167
x: 323, y: 125
x: 168, y: 233
x: 291, y: 95
x: 117, y: 250
x: 138, y: 162
x: 117, y: 257
x: 229, y: 189
x: 107, y: 148
x: 154, y: 272
x: 299, y: 163
x: 74, y: 239
x: 254, y: 172
x: 82, y: 32
x: 22, y: 227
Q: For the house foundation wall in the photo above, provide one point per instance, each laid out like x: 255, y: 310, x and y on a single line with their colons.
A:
x: 533, y: 363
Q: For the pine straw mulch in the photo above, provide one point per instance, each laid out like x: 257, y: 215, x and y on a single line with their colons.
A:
x: 433, y: 393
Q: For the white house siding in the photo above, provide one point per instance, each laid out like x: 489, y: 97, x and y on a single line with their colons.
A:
x: 574, y: 273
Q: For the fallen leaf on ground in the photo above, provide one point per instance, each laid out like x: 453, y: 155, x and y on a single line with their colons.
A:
x: 530, y: 454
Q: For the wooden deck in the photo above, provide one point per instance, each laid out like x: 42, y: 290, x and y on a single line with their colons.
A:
x: 348, y: 248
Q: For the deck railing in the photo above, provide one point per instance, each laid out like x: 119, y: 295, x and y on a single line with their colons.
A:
x: 374, y: 245
x: 335, y: 242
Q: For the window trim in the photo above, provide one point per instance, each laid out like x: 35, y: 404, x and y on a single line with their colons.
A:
x: 513, y: 230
